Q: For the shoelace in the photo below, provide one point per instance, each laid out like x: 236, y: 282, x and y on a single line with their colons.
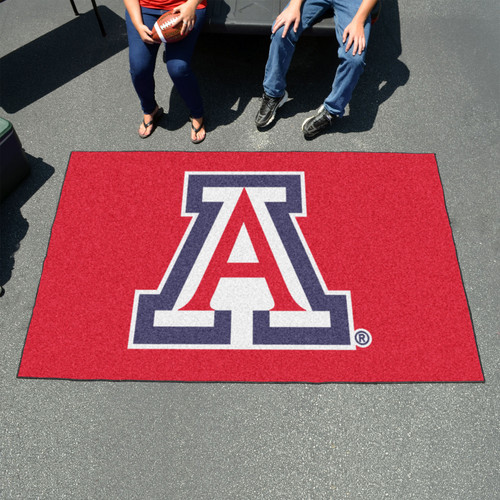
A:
x: 268, y: 101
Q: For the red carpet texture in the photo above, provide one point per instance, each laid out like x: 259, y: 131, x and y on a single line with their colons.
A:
x: 252, y: 267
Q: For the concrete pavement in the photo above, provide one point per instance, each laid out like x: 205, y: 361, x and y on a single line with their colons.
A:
x: 431, y: 86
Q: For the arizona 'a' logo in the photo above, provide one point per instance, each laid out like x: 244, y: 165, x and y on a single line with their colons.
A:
x: 243, y: 276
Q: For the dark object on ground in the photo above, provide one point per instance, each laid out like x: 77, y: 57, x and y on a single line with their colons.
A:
x: 14, y: 166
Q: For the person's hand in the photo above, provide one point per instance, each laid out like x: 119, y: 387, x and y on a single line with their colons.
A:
x: 187, y: 11
x: 355, y: 36
x: 145, y: 34
x: 290, y: 16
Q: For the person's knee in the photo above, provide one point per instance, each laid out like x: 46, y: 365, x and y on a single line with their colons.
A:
x: 354, y: 62
x: 290, y: 37
x: 177, y: 68
x: 140, y: 70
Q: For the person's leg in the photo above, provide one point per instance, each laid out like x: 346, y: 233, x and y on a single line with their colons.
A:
x: 142, y: 58
x: 281, y: 51
x: 348, y: 72
x: 351, y: 66
x: 178, y: 57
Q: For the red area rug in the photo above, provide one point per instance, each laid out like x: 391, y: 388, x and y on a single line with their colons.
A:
x: 258, y: 267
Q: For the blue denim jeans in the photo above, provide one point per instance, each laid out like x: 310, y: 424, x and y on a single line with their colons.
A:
x: 349, y: 69
x: 142, y: 57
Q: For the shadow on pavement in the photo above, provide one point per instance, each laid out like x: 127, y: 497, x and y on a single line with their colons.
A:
x: 229, y: 70
x: 13, y: 226
x: 52, y: 60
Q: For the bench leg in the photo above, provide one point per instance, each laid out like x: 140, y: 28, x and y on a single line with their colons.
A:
x: 96, y: 12
x: 101, y: 26
x: 74, y: 8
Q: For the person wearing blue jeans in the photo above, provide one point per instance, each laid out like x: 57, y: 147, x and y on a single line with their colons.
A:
x: 352, y: 29
x: 140, y: 18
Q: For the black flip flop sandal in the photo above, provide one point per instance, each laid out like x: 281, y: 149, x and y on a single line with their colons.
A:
x: 152, y: 123
x: 196, y: 130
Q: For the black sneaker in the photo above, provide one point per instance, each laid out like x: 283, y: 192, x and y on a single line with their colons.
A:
x: 320, y: 121
x: 268, y: 108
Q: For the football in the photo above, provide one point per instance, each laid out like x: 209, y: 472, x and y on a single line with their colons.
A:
x: 167, y: 28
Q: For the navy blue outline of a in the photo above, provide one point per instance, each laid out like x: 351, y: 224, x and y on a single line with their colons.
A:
x: 337, y: 303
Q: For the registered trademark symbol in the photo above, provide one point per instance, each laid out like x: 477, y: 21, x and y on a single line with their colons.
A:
x: 362, y: 338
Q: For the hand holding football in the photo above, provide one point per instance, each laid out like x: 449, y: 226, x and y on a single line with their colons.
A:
x: 167, y: 28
